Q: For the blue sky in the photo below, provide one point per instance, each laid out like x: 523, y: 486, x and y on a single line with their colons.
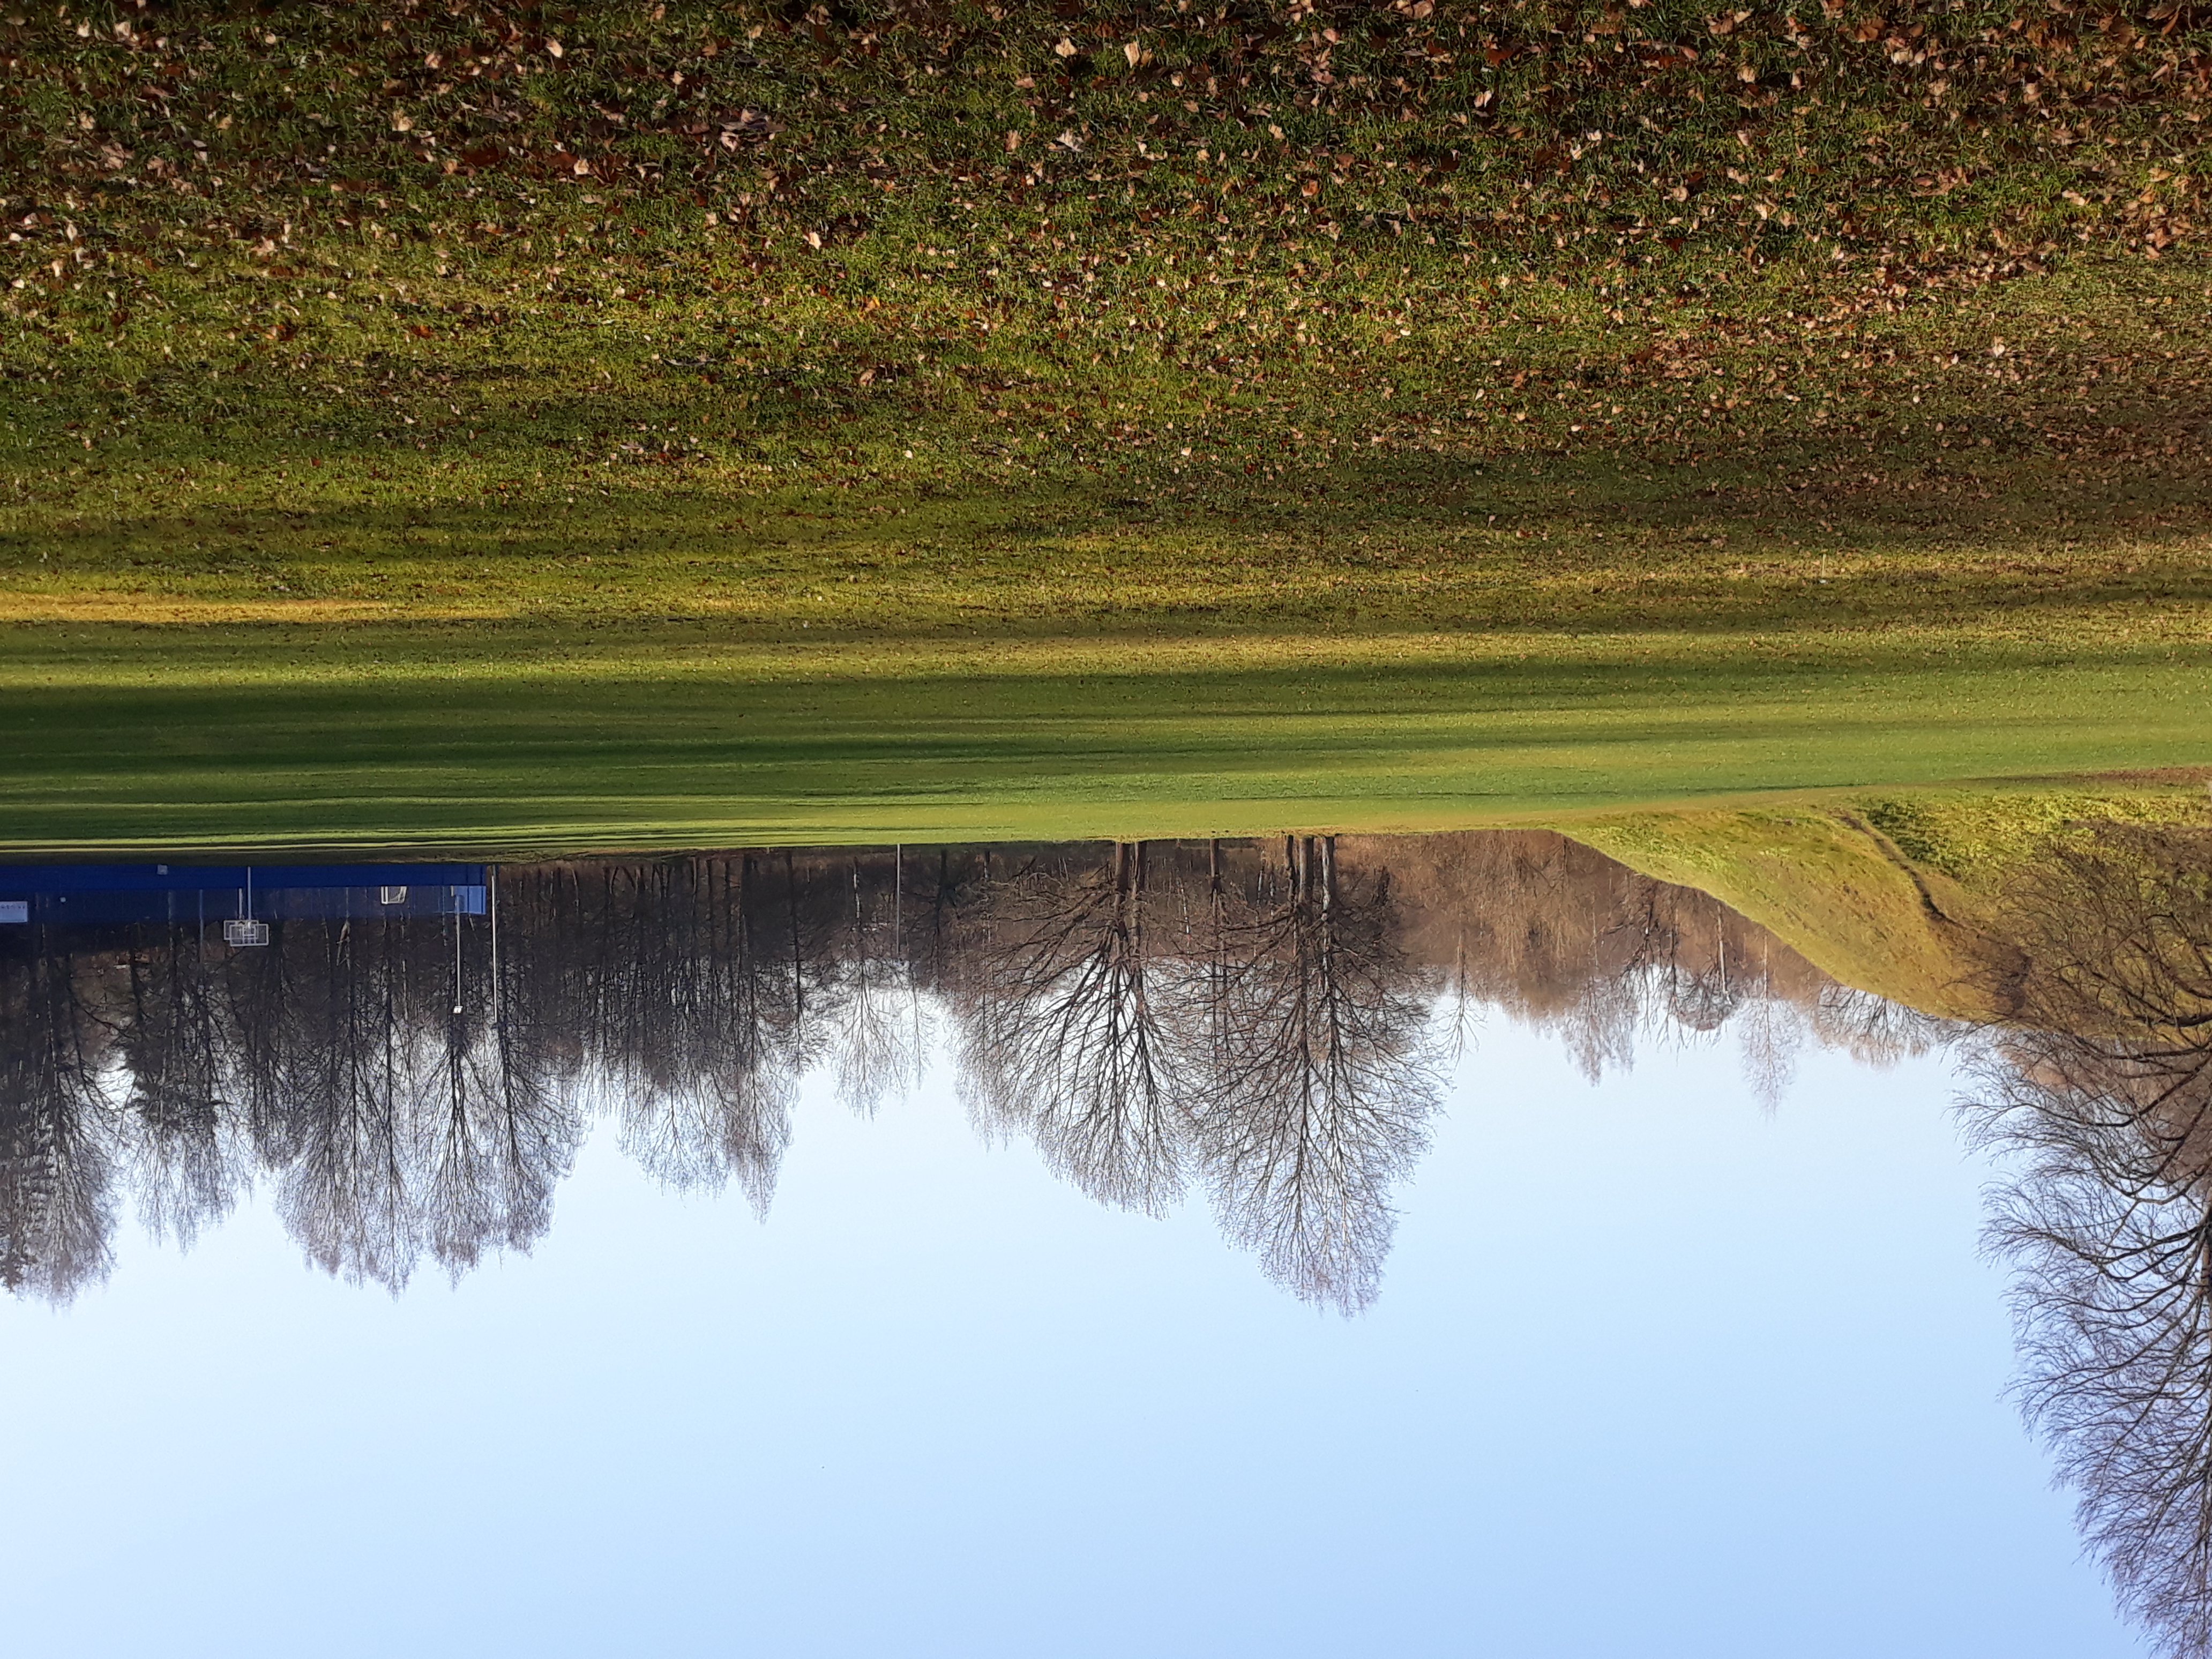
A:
x: 1652, y: 1374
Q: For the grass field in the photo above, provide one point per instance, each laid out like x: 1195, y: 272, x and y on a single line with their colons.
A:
x: 657, y: 737
x: 857, y: 423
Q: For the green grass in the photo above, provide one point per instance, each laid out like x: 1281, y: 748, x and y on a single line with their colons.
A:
x: 1837, y: 416
x: 1916, y: 897
x: 642, y: 736
x: 1406, y: 640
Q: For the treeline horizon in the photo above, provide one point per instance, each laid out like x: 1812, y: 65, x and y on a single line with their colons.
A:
x: 1269, y: 1024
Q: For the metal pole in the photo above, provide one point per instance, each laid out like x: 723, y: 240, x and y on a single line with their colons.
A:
x: 498, y: 992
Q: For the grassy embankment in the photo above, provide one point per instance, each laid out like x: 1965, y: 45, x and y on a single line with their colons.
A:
x: 1909, y: 895
x: 960, y: 421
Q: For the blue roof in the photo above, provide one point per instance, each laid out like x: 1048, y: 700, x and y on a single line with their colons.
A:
x: 94, y: 894
x: 21, y: 879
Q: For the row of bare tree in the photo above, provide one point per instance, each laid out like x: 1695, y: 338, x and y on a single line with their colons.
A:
x: 1263, y: 1022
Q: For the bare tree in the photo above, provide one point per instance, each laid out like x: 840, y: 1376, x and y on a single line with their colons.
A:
x: 701, y: 1016
x: 335, y: 1011
x: 1876, y: 1031
x: 171, y: 1042
x: 1070, y: 1036
x: 1769, y: 1035
x: 1323, y: 1082
x: 1567, y: 941
x: 876, y: 1015
x: 56, y: 1166
x: 492, y: 1133
x: 2103, y: 1094
x: 403, y: 1118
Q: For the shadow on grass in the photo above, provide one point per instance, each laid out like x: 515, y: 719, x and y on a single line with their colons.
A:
x: 576, y: 759
x: 1772, y: 534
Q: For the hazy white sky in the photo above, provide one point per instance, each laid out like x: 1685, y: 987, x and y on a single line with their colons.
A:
x: 1651, y: 1374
